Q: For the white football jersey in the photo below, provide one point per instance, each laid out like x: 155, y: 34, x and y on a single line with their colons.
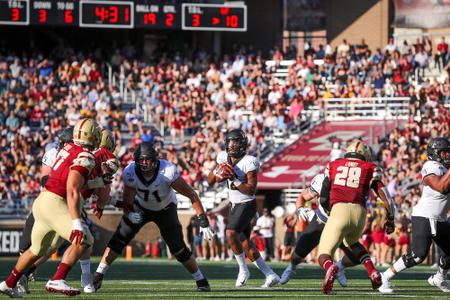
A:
x: 316, y: 187
x: 154, y: 193
x: 50, y: 156
x: 432, y: 204
x: 246, y: 164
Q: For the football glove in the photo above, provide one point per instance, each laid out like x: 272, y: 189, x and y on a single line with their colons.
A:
x: 97, y: 211
x: 77, y: 234
x: 135, y: 217
x: 205, y: 229
x: 390, y: 225
x: 306, y: 214
x: 110, y: 166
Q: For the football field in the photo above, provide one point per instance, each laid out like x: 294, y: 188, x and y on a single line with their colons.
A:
x: 163, y: 279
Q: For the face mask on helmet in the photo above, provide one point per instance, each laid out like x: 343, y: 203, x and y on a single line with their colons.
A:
x: 65, y: 136
x: 236, y: 143
x: 146, y: 158
x: 147, y: 165
x: 445, y: 156
x: 439, y: 150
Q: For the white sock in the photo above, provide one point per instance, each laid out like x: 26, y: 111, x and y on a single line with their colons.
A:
x: 198, y: 275
x: 102, y: 268
x: 261, y: 265
x: 441, y: 274
x: 85, y: 266
x: 340, y: 265
x: 240, y: 258
x: 397, y: 267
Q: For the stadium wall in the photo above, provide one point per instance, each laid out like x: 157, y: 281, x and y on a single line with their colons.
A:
x: 11, y: 230
x: 367, y: 19
x: 264, y: 26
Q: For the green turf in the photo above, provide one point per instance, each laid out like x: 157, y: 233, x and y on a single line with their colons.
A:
x: 147, y: 278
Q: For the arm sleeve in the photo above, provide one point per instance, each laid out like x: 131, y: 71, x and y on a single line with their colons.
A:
x: 171, y: 173
x: 253, y: 165
x: 325, y: 194
x: 128, y: 177
x: 430, y: 168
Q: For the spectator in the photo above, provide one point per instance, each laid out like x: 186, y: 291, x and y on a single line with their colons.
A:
x: 266, y: 224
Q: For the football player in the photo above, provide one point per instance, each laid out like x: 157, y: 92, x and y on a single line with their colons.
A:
x: 65, y: 136
x: 149, y: 196
x: 57, y: 210
x: 106, y: 165
x: 429, y: 218
x: 346, y: 186
x: 240, y: 171
x: 309, y: 238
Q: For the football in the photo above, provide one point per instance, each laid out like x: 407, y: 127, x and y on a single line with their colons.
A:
x: 223, y: 172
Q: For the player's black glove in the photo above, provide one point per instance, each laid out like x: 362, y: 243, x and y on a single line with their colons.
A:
x: 390, y: 225
x: 203, y: 220
x: 205, y: 230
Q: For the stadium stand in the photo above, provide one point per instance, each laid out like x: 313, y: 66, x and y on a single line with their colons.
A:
x: 186, y: 103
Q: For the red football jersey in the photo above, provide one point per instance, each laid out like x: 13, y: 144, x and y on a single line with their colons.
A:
x: 70, y: 157
x: 351, y: 180
x: 101, y: 155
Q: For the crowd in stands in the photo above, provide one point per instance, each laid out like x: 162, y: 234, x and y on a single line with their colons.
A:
x: 199, y: 96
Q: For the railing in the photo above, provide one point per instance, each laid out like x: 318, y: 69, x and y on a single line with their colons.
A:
x: 377, y: 108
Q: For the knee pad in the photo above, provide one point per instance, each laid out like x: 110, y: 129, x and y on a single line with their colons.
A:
x: 444, y: 262
x: 412, y: 260
x: 117, y: 242
x: 88, y: 238
x: 183, y: 255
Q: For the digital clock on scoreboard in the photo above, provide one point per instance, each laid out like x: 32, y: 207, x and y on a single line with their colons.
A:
x: 106, y: 14
x: 214, y: 17
x: 14, y: 12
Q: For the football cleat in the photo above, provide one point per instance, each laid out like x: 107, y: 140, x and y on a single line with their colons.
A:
x: 60, y: 286
x: 97, y: 280
x: 11, y: 292
x: 242, y: 278
x: 89, y: 288
x: 22, y: 285
x: 287, y: 274
x: 443, y: 285
x: 341, y: 278
x: 375, y: 279
x: 330, y: 276
x: 203, y: 285
x: 86, y: 283
x: 271, y: 280
x: 85, y: 279
x: 386, y: 287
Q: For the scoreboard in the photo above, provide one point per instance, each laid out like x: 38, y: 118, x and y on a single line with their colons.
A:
x: 151, y: 14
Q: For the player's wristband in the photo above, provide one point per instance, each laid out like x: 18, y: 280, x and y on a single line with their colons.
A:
x: 95, y: 183
x: 77, y: 224
x: 237, y: 182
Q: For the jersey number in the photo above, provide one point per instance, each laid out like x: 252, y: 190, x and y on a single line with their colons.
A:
x: 62, y: 155
x: 147, y: 195
x: 348, y: 176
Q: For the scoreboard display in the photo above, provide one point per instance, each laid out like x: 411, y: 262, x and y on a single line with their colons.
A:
x: 126, y: 14
x: 214, y: 17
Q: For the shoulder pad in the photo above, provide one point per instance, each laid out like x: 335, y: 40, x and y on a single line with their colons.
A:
x: 85, y: 159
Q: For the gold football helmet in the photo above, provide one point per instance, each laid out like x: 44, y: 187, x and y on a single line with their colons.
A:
x: 87, y: 133
x: 359, y: 150
x: 108, y: 140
